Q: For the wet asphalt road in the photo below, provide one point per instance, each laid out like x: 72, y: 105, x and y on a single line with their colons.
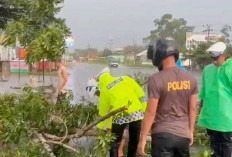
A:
x: 81, y: 72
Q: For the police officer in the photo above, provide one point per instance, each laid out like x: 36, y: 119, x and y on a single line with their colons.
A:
x: 115, y: 93
x: 171, y: 109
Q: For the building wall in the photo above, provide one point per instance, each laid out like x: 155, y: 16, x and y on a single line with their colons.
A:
x: 194, y: 39
x: 7, y: 53
x: 119, y: 58
x: 130, y: 57
x: 142, y: 58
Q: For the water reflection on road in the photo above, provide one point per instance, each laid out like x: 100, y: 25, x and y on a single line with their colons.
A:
x: 81, y: 72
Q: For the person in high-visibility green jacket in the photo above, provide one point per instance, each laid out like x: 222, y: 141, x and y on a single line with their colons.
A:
x: 216, y: 95
x: 115, y: 93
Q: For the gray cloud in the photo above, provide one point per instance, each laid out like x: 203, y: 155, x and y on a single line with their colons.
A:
x: 94, y: 22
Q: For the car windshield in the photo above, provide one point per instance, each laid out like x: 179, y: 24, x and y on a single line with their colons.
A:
x: 113, y: 61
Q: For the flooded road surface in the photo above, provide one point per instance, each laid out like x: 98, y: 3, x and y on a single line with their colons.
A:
x: 81, y: 72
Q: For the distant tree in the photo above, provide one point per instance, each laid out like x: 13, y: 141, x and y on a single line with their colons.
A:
x: 222, y: 39
x: 106, y: 52
x: 168, y: 26
x: 38, y: 30
x: 85, y: 52
x: 227, y: 33
x: 133, y: 48
x: 229, y: 50
x: 128, y: 49
x: 8, y: 13
x: 200, y: 56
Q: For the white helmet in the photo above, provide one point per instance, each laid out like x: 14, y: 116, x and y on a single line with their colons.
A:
x: 217, y: 49
x: 92, y: 87
x: 105, y: 70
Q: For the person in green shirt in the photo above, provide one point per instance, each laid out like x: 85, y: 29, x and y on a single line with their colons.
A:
x: 115, y: 93
x: 216, y: 96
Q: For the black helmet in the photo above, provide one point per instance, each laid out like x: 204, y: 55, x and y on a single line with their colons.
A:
x: 160, y: 50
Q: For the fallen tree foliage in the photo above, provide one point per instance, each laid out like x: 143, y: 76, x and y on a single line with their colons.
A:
x: 32, y: 126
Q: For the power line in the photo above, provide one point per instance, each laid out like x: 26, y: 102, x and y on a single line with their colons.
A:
x: 88, y: 50
x: 110, y: 43
x: 208, y: 30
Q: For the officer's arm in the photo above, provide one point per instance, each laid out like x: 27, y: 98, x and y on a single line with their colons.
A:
x: 193, y: 114
x: 149, y: 117
x: 139, y: 92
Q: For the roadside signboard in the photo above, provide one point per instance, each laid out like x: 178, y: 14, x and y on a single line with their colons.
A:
x: 69, y: 41
x: 16, y: 66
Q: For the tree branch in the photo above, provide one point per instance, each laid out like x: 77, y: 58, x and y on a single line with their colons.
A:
x: 102, y: 119
x: 80, y: 132
x: 88, y: 133
x: 62, y: 144
x: 59, y: 120
x: 46, y: 146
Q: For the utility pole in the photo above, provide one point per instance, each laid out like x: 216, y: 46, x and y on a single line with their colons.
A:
x: 134, y: 44
x: 88, y: 51
x: 110, y: 43
x: 208, y: 30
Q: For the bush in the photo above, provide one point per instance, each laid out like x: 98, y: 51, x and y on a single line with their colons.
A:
x: 25, y: 116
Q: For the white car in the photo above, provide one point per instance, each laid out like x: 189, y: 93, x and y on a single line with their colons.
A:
x: 113, y: 64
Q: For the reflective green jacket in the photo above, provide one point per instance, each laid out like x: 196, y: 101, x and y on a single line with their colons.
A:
x: 115, y: 93
x: 216, y: 93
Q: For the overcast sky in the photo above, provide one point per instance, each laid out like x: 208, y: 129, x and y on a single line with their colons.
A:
x: 95, y: 22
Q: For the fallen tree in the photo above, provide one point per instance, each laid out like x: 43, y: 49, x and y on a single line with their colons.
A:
x: 31, y: 126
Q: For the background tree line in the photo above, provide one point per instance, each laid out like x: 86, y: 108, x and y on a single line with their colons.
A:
x: 168, y: 26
